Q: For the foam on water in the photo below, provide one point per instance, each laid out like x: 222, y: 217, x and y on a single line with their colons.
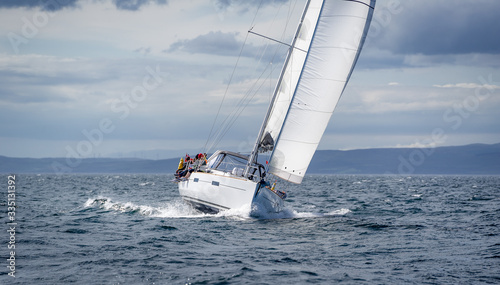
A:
x: 175, y: 209
x: 288, y: 213
x: 126, y: 207
x: 178, y: 209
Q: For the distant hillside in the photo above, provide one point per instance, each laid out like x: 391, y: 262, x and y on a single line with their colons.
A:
x: 469, y: 159
x: 88, y: 165
x: 472, y: 159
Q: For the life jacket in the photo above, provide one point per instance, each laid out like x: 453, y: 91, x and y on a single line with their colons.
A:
x: 181, y: 164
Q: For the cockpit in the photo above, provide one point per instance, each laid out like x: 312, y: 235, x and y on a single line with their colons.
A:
x: 235, y: 164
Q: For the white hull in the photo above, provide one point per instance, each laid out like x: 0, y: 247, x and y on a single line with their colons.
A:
x: 213, y: 192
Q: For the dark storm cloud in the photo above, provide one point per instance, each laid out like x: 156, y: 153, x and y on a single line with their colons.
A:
x: 439, y: 27
x: 54, y: 5
x: 48, y: 5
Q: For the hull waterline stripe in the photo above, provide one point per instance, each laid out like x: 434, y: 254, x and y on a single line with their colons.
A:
x: 204, y: 202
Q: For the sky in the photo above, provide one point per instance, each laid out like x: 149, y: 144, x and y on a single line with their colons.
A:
x: 146, y: 78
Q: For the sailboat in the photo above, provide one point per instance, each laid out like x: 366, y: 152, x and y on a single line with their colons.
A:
x: 318, y: 65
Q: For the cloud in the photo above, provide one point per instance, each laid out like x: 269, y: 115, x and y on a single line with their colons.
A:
x: 134, y: 5
x: 65, y: 78
x: 450, y: 27
x: 226, y: 44
x: 239, y: 7
x: 55, y: 98
x: 55, y: 5
x: 468, y: 86
x: 471, y: 59
x: 392, y: 98
x: 433, y: 33
x: 48, y: 5
x: 217, y: 43
x: 244, y: 4
x: 143, y: 50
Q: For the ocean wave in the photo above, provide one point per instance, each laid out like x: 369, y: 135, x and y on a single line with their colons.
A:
x: 288, y: 213
x: 178, y: 209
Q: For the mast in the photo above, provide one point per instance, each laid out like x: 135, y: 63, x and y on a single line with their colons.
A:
x: 253, y: 156
x: 334, y: 45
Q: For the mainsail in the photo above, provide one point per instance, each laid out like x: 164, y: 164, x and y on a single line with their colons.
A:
x: 325, y: 49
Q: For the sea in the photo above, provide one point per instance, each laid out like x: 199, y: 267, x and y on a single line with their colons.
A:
x: 336, y: 229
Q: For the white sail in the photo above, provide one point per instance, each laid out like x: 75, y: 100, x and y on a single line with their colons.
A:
x: 318, y: 66
x: 290, y: 76
x: 321, y: 61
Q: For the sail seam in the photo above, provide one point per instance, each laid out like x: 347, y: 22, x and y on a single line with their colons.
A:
x: 304, y: 142
x: 345, y: 48
x: 316, y: 111
x: 321, y: 78
x: 359, y: 2
x: 362, y: 40
x: 346, y: 16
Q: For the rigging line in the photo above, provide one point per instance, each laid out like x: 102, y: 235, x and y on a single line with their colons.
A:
x: 287, y: 22
x: 283, y: 33
x: 232, y: 117
x: 230, y: 80
x: 368, y: 5
x: 240, y: 107
x: 242, y: 104
x: 225, y: 92
x: 256, y: 13
x: 234, y: 114
x: 274, y: 40
x: 229, y: 121
x: 289, y: 17
x: 239, y: 111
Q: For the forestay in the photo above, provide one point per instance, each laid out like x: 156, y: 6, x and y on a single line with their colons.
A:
x: 318, y: 67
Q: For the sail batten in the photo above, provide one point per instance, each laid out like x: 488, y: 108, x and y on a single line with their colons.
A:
x: 333, y: 32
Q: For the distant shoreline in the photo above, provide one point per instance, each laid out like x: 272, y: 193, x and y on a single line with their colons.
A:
x: 474, y: 159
